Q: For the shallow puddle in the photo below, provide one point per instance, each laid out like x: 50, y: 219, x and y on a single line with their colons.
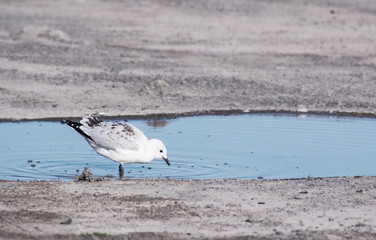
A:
x: 202, y: 147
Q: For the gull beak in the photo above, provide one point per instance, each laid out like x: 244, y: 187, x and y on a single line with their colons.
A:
x: 166, y: 160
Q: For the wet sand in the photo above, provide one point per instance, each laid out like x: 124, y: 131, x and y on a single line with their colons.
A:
x: 68, y: 58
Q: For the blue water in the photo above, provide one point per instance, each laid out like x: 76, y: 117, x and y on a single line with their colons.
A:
x: 202, y: 147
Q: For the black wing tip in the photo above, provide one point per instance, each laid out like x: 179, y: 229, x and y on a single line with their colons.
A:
x: 76, y: 126
x: 70, y: 123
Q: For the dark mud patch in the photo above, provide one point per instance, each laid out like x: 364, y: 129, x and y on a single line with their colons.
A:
x: 155, y: 208
x: 139, y: 199
x: 96, y: 236
x: 158, y: 212
x: 27, y: 216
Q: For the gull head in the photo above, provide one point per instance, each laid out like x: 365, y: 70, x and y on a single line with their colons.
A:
x: 159, y: 150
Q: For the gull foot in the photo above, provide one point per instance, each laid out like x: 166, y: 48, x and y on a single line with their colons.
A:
x: 121, y: 171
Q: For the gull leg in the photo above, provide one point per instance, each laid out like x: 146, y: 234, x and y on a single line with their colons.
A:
x: 121, y: 171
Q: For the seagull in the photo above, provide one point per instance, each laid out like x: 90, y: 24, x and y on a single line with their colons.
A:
x: 120, y: 142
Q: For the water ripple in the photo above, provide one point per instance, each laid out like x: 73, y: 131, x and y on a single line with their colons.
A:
x: 239, y: 146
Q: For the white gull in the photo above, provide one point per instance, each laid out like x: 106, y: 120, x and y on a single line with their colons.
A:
x: 120, y: 142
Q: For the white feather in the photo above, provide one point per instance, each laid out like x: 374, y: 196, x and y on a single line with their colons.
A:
x: 121, y: 142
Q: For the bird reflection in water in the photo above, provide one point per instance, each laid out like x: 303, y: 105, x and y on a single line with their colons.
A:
x: 159, y: 123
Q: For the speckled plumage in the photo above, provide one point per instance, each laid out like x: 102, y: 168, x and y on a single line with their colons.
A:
x: 120, y: 142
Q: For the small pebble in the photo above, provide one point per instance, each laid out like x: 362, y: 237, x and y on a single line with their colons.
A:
x: 254, y: 219
x: 68, y: 221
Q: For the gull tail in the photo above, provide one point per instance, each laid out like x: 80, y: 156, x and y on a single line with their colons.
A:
x: 77, y: 126
x: 91, y: 120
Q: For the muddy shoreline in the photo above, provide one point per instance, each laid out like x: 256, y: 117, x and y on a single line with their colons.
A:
x: 206, y: 113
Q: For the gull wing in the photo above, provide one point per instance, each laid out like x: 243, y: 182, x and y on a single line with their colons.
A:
x: 112, y: 135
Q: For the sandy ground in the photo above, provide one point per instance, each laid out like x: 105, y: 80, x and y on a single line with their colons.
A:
x: 122, y: 57
x: 212, y: 209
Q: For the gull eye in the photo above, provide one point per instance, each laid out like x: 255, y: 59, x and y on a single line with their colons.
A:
x: 161, y: 151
